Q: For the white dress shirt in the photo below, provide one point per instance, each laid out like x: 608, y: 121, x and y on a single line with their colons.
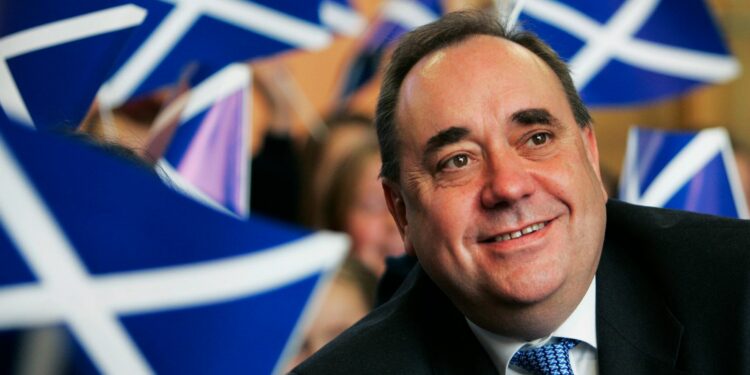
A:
x: 581, y: 325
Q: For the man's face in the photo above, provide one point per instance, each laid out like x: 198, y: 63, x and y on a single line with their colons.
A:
x: 499, y: 193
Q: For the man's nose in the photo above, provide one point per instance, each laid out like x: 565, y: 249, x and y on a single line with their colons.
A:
x: 507, y: 180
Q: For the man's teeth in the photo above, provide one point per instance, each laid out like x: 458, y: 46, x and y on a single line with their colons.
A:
x: 513, y: 235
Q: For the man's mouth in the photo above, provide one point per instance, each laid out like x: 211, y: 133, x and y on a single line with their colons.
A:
x: 517, y: 234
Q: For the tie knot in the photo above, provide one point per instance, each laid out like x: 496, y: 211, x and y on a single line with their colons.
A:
x: 548, y: 359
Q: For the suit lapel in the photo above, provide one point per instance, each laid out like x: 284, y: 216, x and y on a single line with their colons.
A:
x: 636, y: 332
x: 451, y: 347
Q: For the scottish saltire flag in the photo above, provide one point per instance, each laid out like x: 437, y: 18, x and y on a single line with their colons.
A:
x: 142, y: 279
x: 396, y: 17
x: 212, y: 33
x: 201, y: 140
x: 54, y: 55
x: 683, y: 170
x: 339, y: 16
x: 625, y: 52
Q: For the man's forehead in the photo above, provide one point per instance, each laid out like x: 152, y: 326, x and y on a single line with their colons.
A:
x: 458, y: 65
x: 471, y: 49
x: 432, y: 62
x: 479, y: 61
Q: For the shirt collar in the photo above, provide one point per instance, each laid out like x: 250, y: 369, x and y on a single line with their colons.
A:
x: 580, y: 325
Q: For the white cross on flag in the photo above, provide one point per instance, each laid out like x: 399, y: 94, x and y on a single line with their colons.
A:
x: 692, y: 171
x: 625, y: 52
x: 212, y: 33
x: 54, y: 56
x: 200, y: 141
x: 143, y: 279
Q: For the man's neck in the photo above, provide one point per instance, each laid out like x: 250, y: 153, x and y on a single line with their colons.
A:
x: 531, y: 321
x: 580, y: 325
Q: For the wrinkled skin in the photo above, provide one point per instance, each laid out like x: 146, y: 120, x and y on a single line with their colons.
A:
x: 488, y: 147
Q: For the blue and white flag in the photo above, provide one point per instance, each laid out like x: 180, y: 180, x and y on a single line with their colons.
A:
x: 145, y: 280
x: 54, y: 56
x: 683, y: 170
x: 212, y: 33
x: 340, y: 17
x: 201, y: 140
x: 396, y: 18
x: 624, y: 52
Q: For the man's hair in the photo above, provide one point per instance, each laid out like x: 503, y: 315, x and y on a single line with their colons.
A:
x: 452, y: 29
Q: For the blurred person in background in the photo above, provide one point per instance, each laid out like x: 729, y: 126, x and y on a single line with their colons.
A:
x: 290, y: 174
x: 347, y: 300
x: 346, y: 132
x: 355, y: 204
x: 275, y: 169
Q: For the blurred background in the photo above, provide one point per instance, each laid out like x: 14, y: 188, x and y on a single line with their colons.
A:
x: 317, y: 75
x: 287, y: 133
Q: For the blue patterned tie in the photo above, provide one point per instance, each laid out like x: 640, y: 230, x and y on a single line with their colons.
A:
x: 549, y: 359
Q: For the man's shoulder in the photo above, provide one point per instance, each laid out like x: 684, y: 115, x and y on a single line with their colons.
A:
x: 664, y: 217
x: 678, y: 243
x: 388, y: 340
x: 416, y: 332
x: 680, y: 268
x: 678, y: 230
x: 377, y: 345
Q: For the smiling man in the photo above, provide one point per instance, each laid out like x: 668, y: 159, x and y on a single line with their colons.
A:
x: 490, y: 169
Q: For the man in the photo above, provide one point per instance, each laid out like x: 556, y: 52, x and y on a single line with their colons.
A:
x: 490, y: 169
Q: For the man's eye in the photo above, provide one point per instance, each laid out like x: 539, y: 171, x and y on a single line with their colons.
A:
x: 458, y: 161
x: 539, y: 139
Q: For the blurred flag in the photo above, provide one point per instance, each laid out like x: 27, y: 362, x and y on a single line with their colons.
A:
x: 685, y: 171
x: 201, y: 140
x: 145, y: 280
x: 625, y: 52
x: 54, y: 55
x: 396, y: 17
x: 508, y: 11
x: 211, y: 33
x: 340, y: 17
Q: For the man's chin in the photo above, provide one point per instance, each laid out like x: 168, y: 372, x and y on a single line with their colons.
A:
x: 524, y: 295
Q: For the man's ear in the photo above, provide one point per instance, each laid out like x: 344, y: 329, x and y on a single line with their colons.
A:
x: 592, y: 151
x: 397, y: 207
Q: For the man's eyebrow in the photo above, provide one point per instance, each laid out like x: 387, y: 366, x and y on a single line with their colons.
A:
x: 444, y: 138
x: 534, y: 116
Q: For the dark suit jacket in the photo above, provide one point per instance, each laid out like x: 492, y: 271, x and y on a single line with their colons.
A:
x: 673, y: 297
